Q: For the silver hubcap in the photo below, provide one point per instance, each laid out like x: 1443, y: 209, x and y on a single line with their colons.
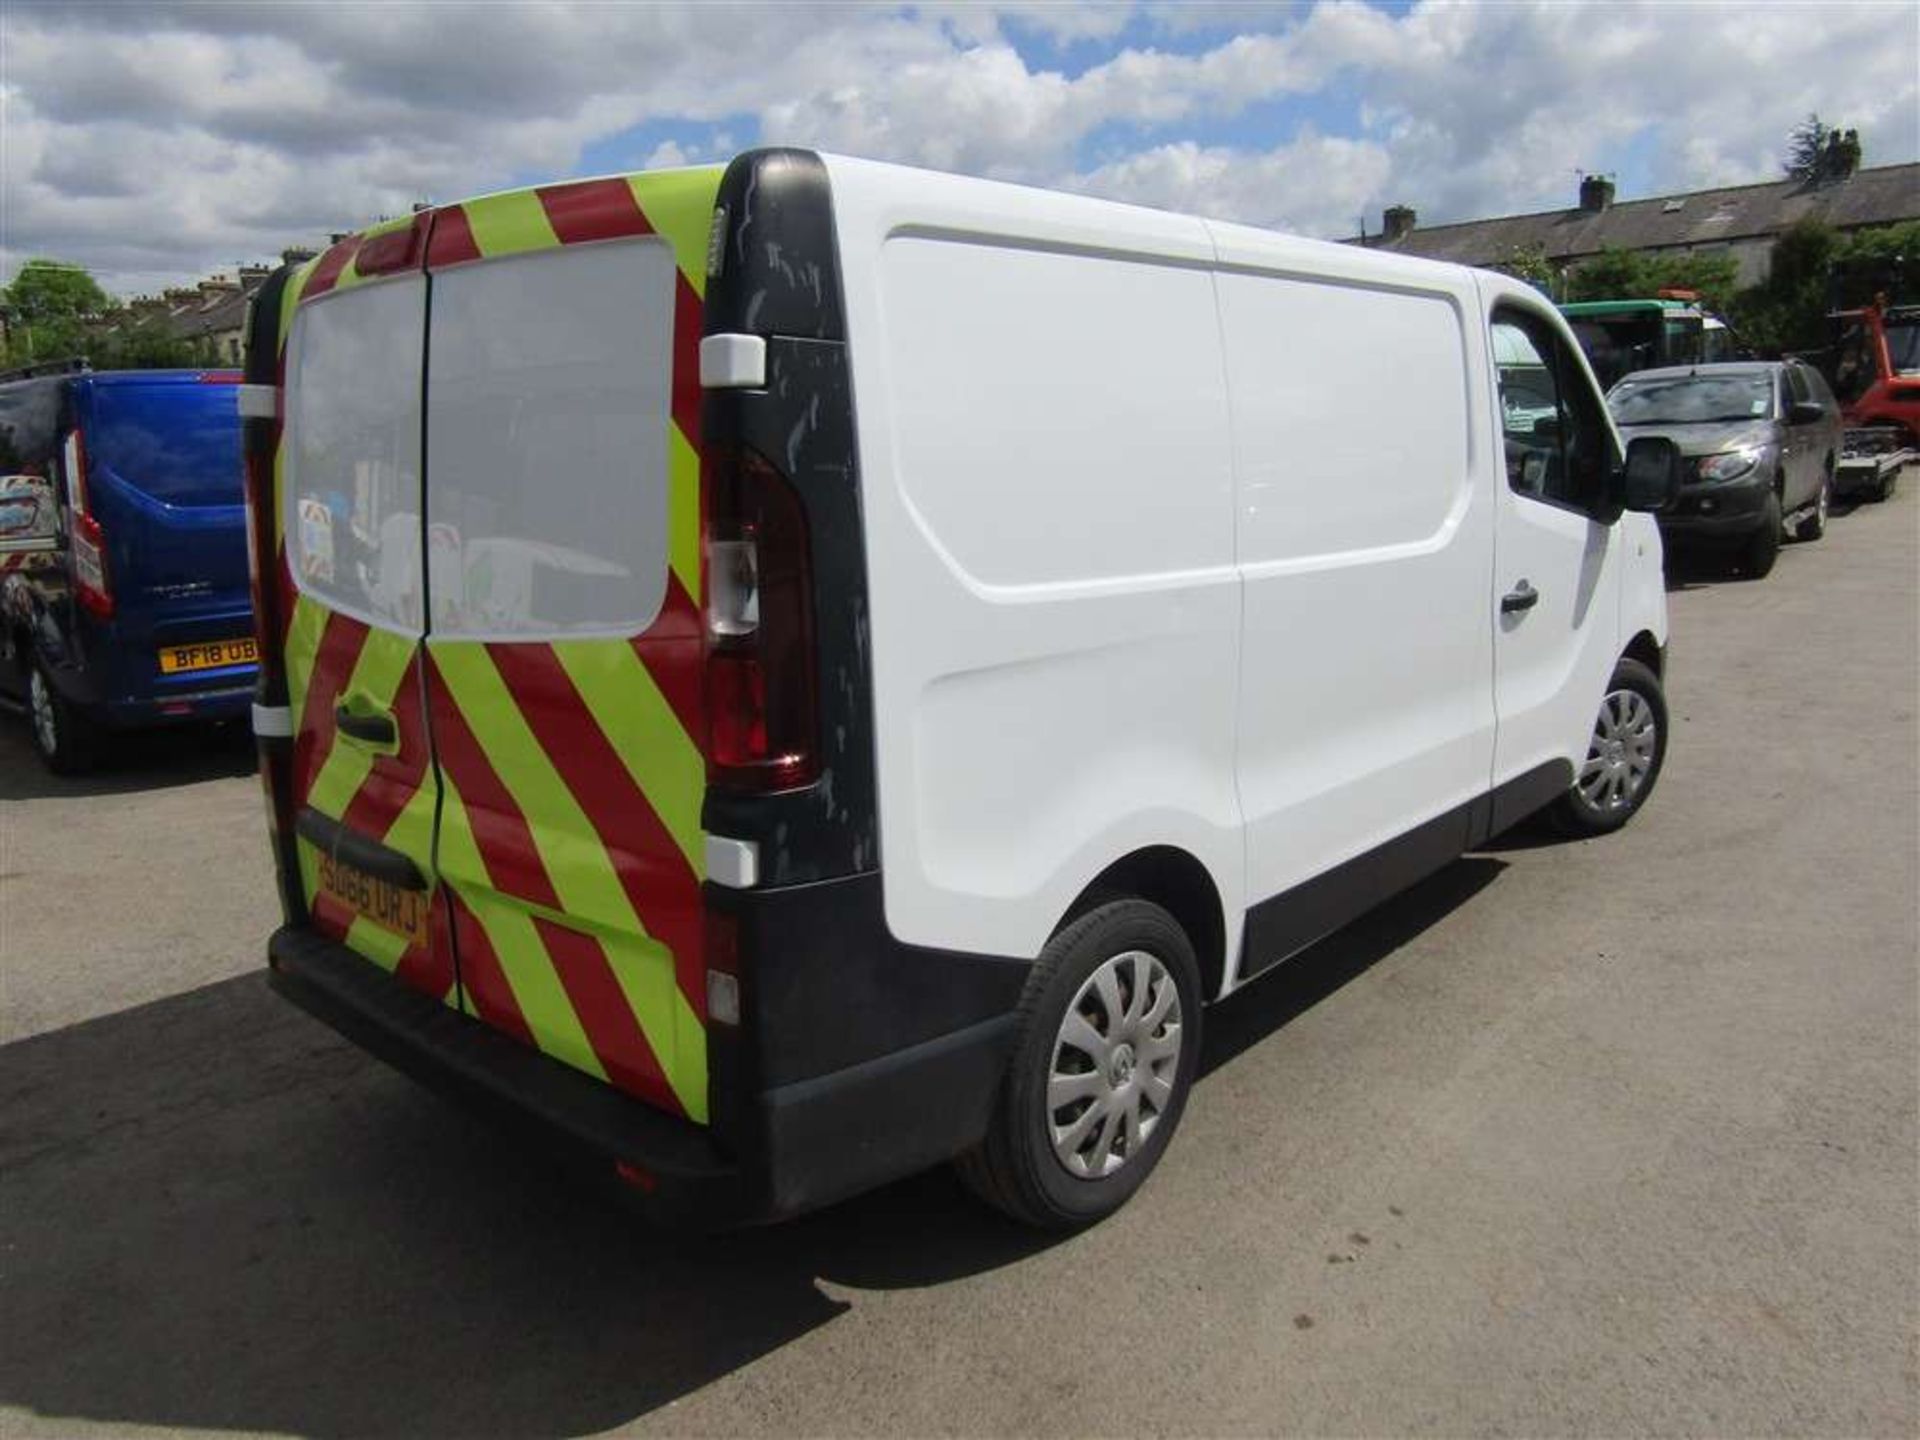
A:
x: 1114, y: 1064
x: 1820, y: 505
x: 46, y: 729
x: 1620, y: 754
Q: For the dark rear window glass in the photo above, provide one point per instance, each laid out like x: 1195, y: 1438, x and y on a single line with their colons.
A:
x: 177, y: 443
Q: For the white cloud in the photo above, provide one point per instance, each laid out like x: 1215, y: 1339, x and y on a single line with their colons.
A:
x: 1315, y: 185
x: 155, y: 143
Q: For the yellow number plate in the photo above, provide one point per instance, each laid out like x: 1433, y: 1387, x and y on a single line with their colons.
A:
x: 404, y: 912
x: 208, y: 655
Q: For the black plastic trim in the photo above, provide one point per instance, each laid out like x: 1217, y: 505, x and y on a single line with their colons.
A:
x: 373, y: 729
x: 810, y: 1143
x: 493, y: 1073
x: 1286, y: 924
x: 896, y: 1114
x: 780, y: 279
x: 258, y: 436
x: 1524, y: 795
x: 350, y: 847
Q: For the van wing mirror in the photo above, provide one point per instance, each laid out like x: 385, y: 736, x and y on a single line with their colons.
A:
x: 1651, y: 474
x: 1806, y: 412
x: 29, y: 515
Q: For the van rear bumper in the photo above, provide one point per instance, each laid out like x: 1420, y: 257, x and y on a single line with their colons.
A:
x: 801, y: 1146
x: 139, y: 712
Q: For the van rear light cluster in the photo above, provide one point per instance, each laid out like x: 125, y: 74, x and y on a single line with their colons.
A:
x: 761, y: 726
x: 86, y: 540
x: 88, y: 550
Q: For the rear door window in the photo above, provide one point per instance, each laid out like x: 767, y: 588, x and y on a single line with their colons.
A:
x: 547, y: 404
x: 177, y: 443
x: 353, y: 451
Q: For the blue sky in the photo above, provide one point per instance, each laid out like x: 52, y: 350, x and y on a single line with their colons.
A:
x: 155, y: 143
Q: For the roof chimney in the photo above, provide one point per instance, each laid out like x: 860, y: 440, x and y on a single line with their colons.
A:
x: 1596, y: 193
x: 1396, y: 223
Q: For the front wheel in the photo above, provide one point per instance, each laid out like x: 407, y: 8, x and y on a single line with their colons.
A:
x: 61, y: 734
x: 1624, y: 755
x: 1763, y: 547
x: 1814, y: 524
x: 1107, y: 1043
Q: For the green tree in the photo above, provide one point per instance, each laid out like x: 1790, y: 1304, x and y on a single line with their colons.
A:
x: 49, y: 308
x: 1634, y: 275
x: 1882, y: 260
x: 1787, y: 311
x: 1818, y: 151
x: 1530, y: 263
x: 1806, y: 148
x: 149, y: 344
x: 1612, y: 275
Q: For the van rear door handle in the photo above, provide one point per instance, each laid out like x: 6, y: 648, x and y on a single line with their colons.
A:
x: 1522, y: 597
x: 373, y: 729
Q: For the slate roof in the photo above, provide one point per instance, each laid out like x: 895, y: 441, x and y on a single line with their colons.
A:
x: 1879, y: 196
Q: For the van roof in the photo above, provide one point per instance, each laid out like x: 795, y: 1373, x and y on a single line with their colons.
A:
x: 161, y: 377
x: 1120, y: 218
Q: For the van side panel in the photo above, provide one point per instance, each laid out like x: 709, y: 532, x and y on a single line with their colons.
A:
x: 1055, y: 608
x: 1365, y: 545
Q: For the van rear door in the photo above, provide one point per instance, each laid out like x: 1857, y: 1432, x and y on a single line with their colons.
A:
x: 564, y: 640
x: 160, y: 453
x: 348, y: 507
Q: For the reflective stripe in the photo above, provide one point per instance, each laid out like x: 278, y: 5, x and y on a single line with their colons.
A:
x: 272, y: 722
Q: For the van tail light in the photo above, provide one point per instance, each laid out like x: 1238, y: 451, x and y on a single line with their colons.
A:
x: 86, y: 540
x: 87, y: 548
x: 761, y: 720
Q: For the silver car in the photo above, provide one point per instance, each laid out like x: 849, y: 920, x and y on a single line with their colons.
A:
x: 1759, y: 441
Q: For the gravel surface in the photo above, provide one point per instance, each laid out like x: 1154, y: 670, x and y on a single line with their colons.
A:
x: 1607, y: 1138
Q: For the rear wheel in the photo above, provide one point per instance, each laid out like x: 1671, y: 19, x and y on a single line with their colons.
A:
x: 61, y: 734
x: 1624, y: 755
x: 1107, y: 1043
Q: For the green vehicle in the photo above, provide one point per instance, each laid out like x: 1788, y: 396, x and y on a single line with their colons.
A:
x: 1621, y: 336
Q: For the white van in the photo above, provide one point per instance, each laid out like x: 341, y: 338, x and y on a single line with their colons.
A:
x: 953, y: 633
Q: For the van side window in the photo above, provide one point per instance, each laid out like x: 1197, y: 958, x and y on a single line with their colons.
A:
x: 1556, y: 441
x: 1798, y: 392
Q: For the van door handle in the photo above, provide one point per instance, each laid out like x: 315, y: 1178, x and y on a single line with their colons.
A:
x: 1522, y: 597
x: 373, y: 729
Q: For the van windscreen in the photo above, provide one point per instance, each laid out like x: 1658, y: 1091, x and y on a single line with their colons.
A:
x: 177, y: 443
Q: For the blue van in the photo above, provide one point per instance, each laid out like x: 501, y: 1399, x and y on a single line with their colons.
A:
x: 124, y: 596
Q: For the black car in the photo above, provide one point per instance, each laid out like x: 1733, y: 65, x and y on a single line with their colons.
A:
x: 1759, y: 439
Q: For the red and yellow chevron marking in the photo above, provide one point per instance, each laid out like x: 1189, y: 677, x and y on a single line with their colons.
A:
x: 568, y: 850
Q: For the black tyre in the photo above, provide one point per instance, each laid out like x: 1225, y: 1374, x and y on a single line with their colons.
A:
x: 61, y: 734
x: 1814, y: 523
x: 1763, y: 547
x: 1624, y: 755
x: 1107, y: 1043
